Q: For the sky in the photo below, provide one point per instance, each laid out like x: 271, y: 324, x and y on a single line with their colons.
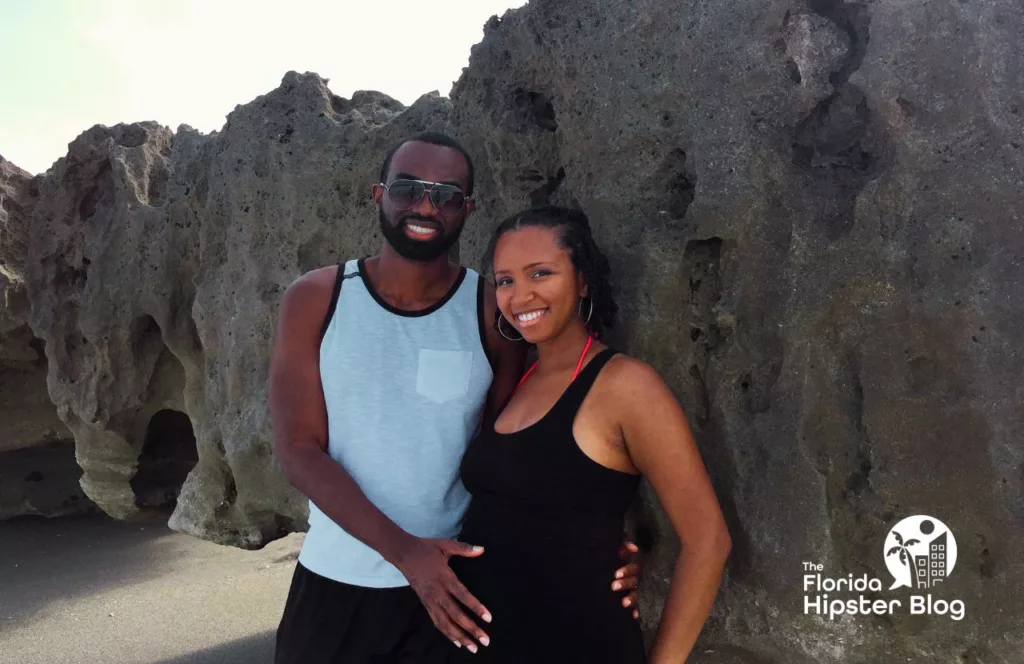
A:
x: 72, y: 64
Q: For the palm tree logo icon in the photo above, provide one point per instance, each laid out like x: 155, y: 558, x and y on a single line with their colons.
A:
x: 920, y: 552
x: 904, y: 550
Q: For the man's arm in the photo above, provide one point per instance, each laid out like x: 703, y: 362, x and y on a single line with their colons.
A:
x: 299, y: 416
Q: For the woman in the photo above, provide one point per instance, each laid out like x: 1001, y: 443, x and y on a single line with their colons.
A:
x: 553, y: 477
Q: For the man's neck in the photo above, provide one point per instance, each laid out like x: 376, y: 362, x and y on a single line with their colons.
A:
x: 408, y: 282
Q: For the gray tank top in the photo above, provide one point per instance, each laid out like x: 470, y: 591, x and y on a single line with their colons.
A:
x: 405, y: 393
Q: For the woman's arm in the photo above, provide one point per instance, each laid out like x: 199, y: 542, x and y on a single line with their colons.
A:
x: 662, y: 447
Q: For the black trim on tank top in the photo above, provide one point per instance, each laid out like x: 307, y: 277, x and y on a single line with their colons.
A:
x: 481, y: 313
x: 335, y: 293
x: 402, y: 312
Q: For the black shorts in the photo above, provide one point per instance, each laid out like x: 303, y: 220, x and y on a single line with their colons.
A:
x: 328, y: 622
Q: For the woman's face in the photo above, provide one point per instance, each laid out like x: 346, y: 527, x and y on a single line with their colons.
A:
x: 537, y: 286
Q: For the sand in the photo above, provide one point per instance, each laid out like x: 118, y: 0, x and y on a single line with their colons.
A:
x: 89, y: 590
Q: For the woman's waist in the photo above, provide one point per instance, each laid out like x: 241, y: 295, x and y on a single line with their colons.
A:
x: 561, y: 531
x: 515, y: 571
x: 551, y: 588
x: 564, y: 606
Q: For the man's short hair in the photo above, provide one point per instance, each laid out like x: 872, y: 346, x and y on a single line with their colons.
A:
x: 434, y: 138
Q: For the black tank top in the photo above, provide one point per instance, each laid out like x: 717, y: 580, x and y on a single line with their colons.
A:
x: 551, y: 521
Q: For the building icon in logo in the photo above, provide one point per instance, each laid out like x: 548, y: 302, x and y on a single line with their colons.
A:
x: 920, y: 552
x: 931, y: 568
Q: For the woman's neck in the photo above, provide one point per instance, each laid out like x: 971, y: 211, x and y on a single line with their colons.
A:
x: 563, y: 350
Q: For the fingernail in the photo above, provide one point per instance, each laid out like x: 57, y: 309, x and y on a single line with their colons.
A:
x: 457, y: 644
x: 478, y: 549
x: 471, y: 648
x: 487, y: 617
x: 618, y: 575
x: 486, y: 641
x: 625, y: 602
x: 616, y: 585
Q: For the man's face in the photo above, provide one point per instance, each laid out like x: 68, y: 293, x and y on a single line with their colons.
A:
x: 421, y: 232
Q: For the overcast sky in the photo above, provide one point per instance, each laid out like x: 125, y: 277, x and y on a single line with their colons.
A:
x: 71, y: 64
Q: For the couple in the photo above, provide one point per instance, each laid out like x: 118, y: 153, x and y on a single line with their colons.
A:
x: 462, y: 506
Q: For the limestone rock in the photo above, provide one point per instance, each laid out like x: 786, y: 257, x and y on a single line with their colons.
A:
x: 157, y: 262
x: 27, y: 412
x: 38, y: 473
x: 813, y: 213
x: 17, y: 196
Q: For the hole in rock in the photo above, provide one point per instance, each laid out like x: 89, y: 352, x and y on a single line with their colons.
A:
x: 534, y: 109
x: 542, y: 195
x: 99, y: 192
x: 156, y: 192
x: 679, y: 183
x: 168, y: 454
x: 131, y: 136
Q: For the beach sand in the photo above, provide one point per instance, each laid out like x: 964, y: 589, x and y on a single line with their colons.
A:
x: 90, y: 590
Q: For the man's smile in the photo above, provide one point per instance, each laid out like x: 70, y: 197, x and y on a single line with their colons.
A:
x: 418, y: 230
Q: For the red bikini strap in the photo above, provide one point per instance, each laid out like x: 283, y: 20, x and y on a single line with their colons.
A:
x: 526, y: 375
x: 579, y: 365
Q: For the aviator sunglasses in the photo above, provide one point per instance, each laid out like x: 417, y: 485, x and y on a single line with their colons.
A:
x: 404, y: 194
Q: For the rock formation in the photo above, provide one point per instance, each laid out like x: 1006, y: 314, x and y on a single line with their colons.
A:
x: 38, y: 472
x: 815, y: 214
x: 813, y: 210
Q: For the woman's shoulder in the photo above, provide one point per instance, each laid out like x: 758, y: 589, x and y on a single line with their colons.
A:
x: 634, y: 395
x: 627, y: 375
x: 629, y: 390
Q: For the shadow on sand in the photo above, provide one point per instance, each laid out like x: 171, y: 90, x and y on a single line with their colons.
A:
x: 255, y: 649
x: 47, y: 560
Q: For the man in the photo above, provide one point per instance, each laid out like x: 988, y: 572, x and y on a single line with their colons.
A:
x: 382, y: 371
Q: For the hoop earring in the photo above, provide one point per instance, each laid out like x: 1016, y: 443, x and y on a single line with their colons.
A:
x: 501, y: 318
x: 589, y: 313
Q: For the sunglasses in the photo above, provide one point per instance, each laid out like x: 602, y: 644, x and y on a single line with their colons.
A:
x: 404, y: 194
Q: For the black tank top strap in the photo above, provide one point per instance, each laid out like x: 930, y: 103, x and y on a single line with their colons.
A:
x: 577, y: 391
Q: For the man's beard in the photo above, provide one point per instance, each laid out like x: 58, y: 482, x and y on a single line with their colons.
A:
x: 418, y: 250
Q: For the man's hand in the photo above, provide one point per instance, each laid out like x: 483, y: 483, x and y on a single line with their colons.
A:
x: 425, y: 565
x: 627, y: 578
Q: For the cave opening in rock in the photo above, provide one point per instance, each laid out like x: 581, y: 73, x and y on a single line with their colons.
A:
x: 168, y: 454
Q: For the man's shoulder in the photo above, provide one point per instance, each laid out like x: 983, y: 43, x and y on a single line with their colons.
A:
x: 315, y: 281
x: 309, y: 296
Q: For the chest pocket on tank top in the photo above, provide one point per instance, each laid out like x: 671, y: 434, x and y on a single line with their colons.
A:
x: 443, y: 375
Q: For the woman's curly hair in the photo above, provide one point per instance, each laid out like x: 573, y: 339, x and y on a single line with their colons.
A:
x: 574, y: 235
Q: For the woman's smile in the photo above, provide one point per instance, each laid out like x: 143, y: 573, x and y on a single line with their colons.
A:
x: 528, y: 318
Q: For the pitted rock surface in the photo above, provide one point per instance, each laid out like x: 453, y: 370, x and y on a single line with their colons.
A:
x: 813, y: 211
